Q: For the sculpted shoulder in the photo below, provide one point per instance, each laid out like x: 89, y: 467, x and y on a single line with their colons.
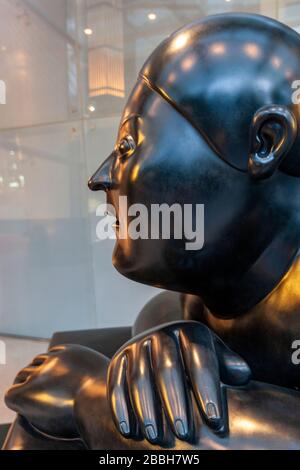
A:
x: 264, y: 336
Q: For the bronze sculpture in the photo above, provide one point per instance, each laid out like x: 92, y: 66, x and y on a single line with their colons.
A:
x: 211, y: 120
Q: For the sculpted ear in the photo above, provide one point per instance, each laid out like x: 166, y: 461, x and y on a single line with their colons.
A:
x: 273, y: 132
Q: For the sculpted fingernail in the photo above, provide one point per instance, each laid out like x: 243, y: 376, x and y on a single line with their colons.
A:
x: 211, y: 411
x: 180, y: 429
x: 150, y: 432
x: 124, y: 428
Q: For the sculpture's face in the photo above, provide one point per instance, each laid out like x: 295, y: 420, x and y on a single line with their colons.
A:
x: 203, y: 127
x: 169, y: 162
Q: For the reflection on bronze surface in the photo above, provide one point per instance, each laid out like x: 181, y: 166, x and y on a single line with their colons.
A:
x: 213, y: 122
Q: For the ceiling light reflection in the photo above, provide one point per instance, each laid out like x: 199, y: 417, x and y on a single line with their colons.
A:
x: 152, y: 16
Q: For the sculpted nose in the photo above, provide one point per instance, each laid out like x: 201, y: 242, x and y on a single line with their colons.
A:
x: 101, y: 179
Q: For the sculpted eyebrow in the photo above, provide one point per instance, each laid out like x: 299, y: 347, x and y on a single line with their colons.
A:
x: 129, y: 118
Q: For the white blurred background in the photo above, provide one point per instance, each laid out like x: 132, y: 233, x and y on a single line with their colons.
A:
x: 68, y: 66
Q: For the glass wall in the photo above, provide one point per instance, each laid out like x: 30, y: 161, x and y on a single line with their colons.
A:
x: 68, y: 67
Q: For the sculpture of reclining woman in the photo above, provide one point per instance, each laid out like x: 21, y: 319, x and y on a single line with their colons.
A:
x: 211, y: 120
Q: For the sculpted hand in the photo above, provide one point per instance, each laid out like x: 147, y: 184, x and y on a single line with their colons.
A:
x: 44, y: 392
x: 156, y: 372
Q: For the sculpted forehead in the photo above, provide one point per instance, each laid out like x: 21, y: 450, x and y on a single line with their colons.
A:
x: 149, y: 117
x: 140, y: 101
x: 220, y: 71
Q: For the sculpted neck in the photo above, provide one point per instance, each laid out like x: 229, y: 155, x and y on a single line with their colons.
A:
x: 284, y: 298
x: 233, y: 298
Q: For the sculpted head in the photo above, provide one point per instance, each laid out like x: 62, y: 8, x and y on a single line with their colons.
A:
x: 211, y: 120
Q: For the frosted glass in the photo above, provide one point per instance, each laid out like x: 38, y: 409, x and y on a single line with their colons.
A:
x: 68, y: 67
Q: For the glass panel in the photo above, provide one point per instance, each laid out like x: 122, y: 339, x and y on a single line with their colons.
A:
x: 68, y: 67
x: 46, y: 276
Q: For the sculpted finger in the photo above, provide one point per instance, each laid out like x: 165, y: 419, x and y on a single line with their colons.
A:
x: 171, y: 383
x: 57, y: 349
x: 14, y: 396
x: 202, y: 367
x: 118, y: 394
x: 233, y: 369
x: 39, y: 360
x: 24, y: 375
x: 27, y: 372
x: 142, y: 391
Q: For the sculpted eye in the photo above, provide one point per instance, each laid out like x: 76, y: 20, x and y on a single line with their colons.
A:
x: 126, y: 146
